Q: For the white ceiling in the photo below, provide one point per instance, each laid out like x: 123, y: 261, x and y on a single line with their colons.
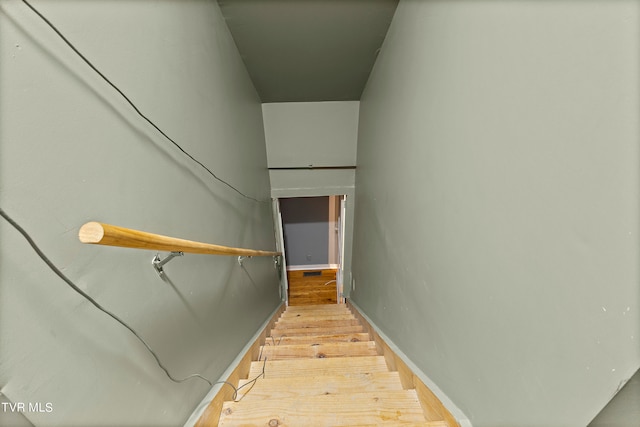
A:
x: 308, y: 50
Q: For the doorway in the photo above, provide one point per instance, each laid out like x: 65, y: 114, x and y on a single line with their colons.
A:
x: 311, y: 231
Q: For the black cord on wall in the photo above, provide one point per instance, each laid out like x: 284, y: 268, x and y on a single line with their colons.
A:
x: 135, y: 108
x: 70, y: 283
x: 86, y: 296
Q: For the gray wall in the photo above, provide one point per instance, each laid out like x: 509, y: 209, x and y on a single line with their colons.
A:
x: 306, y: 230
x: 72, y: 151
x: 496, y: 236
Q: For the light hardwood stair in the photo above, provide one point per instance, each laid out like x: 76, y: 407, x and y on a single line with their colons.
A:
x: 311, y: 339
x: 319, y: 365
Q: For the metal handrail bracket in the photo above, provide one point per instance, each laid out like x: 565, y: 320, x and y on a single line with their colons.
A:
x: 158, y: 263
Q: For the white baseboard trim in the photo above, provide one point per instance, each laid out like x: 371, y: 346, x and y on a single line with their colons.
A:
x: 313, y: 267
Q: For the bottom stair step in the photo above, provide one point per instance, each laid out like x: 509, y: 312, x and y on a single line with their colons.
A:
x: 368, y: 408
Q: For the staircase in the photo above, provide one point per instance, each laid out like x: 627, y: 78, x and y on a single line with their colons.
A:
x: 319, y: 367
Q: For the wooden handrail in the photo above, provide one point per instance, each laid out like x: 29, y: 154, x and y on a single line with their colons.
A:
x: 111, y: 235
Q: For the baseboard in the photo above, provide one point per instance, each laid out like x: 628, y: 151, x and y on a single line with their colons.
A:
x: 313, y: 267
x: 431, y: 397
x: 207, y: 412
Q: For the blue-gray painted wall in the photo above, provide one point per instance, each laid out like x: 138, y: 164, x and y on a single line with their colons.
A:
x: 306, y: 230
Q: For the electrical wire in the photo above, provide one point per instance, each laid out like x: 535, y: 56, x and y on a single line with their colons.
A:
x: 68, y: 281
x: 273, y: 339
x: 252, y: 382
x: 135, y: 108
x: 73, y: 286
x: 86, y: 296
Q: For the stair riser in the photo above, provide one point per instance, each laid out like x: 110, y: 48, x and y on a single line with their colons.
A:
x: 326, y: 308
x: 311, y: 339
x: 297, y: 387
x: 319, y: 367
x: 316, y: 316
x: 373, y: 408
x: 277, y: 333
x: 282, y: 388
x: 280, y: 352
x: 286, y: 324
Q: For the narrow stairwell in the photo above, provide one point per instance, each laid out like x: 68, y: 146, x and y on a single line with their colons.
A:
x: 320, y: 367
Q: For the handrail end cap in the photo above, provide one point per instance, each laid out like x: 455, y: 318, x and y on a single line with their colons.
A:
x: 91, y: 232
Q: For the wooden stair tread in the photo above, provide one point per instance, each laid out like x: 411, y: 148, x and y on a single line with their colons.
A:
x: 310, y: 339
x: 310, y: 324
x: 277, y: 388
x: 319, y: 350
x: 315, y: 316
x: 303, y: 301
x: 316, y: 367
x: 441, y: 423
x: 409, y: 424
x: 317, y: 331
x: 323, y: 308
x: 309, y: 291
x: 319, y: 366
x: 312, y: 295
x: 375, y: 408
x: 322, y: 365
